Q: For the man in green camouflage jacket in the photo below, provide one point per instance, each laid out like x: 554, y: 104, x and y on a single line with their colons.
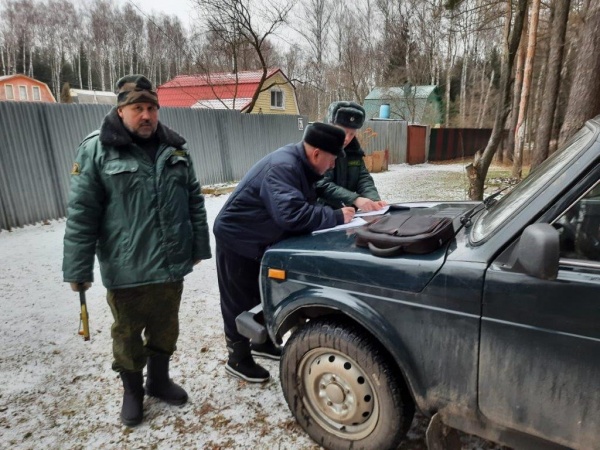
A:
x: 349, y: 182
x: 136, y: 204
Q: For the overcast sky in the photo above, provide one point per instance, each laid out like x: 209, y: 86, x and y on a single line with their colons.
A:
x: 180, y: 8
x: 185, y: 10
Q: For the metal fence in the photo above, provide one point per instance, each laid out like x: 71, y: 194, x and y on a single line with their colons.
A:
x: 388, y: 135
x: 38, y: 143
x: 452, y: 143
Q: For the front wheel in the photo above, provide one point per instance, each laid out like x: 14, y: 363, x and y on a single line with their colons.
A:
x: 341, y: 390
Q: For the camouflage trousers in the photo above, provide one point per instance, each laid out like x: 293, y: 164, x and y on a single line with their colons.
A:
x: 146, y: 323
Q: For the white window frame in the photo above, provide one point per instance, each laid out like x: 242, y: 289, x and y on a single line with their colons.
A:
x: 25, y: 89
x: 277, y: 90
x: 12, y: 91
x: 36, y: 90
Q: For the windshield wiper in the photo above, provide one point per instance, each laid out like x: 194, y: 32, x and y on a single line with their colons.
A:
x: 487, y: 203
x: 491, y: 199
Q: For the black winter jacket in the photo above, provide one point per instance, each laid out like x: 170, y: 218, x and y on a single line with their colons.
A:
x: 274, y: 200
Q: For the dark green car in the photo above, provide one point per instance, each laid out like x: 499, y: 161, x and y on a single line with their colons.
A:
x: 496, y: 333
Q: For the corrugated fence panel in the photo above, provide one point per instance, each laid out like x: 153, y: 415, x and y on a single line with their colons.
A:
x: 67, y: 126
x: 385, y: 134
x: 40, y: 140
x: 28, y: 172
x: 200, y: 128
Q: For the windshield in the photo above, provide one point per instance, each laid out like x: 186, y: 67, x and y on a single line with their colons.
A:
x: 506, y: 206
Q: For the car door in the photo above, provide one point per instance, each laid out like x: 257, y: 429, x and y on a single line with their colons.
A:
x: 539, y: 367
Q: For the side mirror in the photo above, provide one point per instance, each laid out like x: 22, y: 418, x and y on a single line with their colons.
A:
x: 538, y: 251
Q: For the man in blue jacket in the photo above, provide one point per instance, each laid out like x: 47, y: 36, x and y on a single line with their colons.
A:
x: 135, y: 203
x: 274, y: 200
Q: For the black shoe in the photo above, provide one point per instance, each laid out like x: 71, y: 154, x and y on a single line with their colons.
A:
x: 267, y: 350
x: 159, y: 385
x: 241, y: 364
x: 132, y: 411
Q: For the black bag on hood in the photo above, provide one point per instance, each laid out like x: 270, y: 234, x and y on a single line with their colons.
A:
x: 395, y: 234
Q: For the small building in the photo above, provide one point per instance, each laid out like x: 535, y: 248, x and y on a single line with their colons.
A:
x: 231, y: 91
x: 21, y: 88
x: 82, y: 96
x: 415, y: 104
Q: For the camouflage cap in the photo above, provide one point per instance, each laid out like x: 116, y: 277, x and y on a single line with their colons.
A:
x: 135, y: 89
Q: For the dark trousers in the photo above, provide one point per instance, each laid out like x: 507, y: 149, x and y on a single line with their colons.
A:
x: 238, y: 287
x: 151, y: 310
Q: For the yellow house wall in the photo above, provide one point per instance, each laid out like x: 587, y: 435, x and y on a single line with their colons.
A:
x: 263, y: 103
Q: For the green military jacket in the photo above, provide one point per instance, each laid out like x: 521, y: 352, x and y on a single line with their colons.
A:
x: 145, y: 221
x: 348, y: 180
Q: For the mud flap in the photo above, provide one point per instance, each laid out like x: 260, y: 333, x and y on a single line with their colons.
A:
x: 440, y: 436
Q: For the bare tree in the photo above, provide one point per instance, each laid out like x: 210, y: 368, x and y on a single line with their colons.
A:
x: 316, y: 16
x: 102, y: 16
x: 58, y: 31
x: 242, y: 20
x: 584, y: 98
x: 516, y: 95
x: 477, y: 171
x: 560, y: 15
x: 527, y: 75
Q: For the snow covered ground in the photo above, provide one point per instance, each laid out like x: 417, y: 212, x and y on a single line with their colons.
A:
x: 59, y: 392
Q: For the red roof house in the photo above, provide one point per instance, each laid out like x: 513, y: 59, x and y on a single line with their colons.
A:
x: 228, y: 91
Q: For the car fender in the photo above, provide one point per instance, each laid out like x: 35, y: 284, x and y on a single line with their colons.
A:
x: 314, y: 302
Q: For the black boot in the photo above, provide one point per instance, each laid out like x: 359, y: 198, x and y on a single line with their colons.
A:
x: 267, y: 350
x: 132, y: 411
x: 158, y: 383
x: 240, y: 363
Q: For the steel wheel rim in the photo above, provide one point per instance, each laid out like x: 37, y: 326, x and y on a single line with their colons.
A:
x: 339, y: 396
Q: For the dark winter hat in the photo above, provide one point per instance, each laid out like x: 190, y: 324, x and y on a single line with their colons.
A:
x: 346, y: 114
x: 326, y: 137
x: 135, y: 89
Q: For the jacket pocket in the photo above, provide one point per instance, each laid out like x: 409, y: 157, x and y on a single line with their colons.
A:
x: 123, y: 175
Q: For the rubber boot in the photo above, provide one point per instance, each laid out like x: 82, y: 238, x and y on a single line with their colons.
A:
x: 158, y: 383
x: 132, y: 411
x: 267, y: 350
x: 241, y: 364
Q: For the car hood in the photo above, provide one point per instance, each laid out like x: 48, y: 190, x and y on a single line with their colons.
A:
x: 333, y: 256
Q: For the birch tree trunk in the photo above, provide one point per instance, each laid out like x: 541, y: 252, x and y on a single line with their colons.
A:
x: 527, y: 74
x: 518, y: 85
x: 485, y: 101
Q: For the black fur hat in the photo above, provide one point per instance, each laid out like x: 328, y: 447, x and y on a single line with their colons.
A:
x: 346, y: 114
x: 326, y: 137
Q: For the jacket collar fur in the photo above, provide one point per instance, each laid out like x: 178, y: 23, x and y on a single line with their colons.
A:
x: 114, y: 133
x: 353, y: 148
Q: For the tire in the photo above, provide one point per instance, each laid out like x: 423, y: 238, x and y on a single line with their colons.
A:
x: 343, y: 393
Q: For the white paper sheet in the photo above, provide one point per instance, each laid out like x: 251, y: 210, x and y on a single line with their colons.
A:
x: 372, y: 213
x: 356, y: 222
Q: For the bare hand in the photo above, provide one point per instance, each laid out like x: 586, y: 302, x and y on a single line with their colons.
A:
x: 366, y: 205
x: 348, y: 212
x: 86, y: 286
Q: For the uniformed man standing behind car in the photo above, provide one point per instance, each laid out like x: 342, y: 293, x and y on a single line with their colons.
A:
x: 349, y: 182
x: 274, y: 200
x: 135, y: 202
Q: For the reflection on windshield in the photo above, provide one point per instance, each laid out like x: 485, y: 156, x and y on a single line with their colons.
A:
x: 492, y: 218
